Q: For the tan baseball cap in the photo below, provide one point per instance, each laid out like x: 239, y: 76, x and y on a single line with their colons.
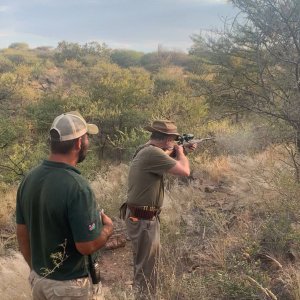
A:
x: 70, y: 126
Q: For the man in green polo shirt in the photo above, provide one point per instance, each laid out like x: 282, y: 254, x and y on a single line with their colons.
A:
x: 58, y: 223
x: 145, y: 199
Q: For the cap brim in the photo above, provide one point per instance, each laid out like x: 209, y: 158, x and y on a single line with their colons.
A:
x: 92, y: 129
x: 151, y: 129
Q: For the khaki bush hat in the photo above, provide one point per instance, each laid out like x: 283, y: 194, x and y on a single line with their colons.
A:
x: 163, y: 126
x: 70, y: 126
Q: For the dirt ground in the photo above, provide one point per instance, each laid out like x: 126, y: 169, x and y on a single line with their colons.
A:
x: 117, y: 266
x: 117, y: 270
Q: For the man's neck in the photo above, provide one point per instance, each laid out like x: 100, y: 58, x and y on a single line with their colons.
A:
x: 160, y: 144
x: 67, y: 159
x: 156, y: 143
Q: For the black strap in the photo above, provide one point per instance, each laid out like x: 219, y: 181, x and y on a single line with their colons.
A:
x: 122, y: 211
x: 140, y: 148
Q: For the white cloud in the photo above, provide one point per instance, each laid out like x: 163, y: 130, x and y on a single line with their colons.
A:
x: 148, y: 45
x: 4, y: 33
x: 8, y: 37
x: 205, y: 2
x: 214, y: 1
x: 4, y: 8
x: 129, y: 24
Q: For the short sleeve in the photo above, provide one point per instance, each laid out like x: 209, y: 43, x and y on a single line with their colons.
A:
x: 83, y: 215
x: 19, y: 213
x: 158, y: 162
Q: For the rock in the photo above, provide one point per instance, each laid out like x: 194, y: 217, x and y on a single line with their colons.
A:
x: 210, y: 189
x: 117, y: 240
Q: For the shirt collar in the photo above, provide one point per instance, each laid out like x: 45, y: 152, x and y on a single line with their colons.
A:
x: 55, y: 164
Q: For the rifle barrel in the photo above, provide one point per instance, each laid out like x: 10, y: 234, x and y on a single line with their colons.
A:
x: 199, y: 141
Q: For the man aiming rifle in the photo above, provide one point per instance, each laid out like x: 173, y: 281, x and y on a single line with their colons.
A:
x: 145, y: 199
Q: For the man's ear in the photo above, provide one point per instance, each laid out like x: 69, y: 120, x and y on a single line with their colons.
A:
x: 78, y: 143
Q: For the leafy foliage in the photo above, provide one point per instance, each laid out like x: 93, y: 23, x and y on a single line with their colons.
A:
x: 254, y: 64
x: 126, y: 58
x: 110, y: 88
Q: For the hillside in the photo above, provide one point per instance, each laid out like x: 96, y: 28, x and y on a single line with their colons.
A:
x: 230, y: 232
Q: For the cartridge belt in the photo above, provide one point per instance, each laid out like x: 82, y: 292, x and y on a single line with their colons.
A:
x: 144, y: 212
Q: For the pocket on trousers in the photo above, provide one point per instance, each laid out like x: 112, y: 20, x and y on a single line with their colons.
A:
x: 71, y: 291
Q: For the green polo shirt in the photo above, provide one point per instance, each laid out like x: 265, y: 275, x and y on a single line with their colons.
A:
x: 58, y: 207
x: 145, y: 179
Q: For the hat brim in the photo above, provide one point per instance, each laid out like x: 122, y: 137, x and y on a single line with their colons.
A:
x: 92, y: 129
x: 151, y: 129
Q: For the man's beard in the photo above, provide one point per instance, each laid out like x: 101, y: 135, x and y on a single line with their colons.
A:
x: 82, y: 153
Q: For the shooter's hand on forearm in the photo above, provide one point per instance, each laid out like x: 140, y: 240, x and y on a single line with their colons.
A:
x: 190, y: 147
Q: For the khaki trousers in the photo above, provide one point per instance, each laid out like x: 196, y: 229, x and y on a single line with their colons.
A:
x: 145, y: 238
x: 49, y: 289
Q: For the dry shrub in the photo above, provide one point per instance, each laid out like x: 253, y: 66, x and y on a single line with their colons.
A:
x: 7, y: 222
x: 177, y: 201
x: 220, y: 127
x: 211, y: 241
x: 174, y: 282
x: 290, y: 278
x: 221, y: 246
x: 237, y: 139
x: 7, y: 206
x: 274, y: 218
x: 110, y: 188
x: 253, y: 178
x: 217, y: 168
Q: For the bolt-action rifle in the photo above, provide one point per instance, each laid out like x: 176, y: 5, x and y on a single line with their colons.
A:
x: 188, y: 138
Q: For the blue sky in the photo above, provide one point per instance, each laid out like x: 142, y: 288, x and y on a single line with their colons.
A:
x: 132, y: 24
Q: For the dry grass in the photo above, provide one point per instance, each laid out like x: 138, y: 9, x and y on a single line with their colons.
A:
x: 213, y: 240
x: 7, y: 206
x: 217, y: 168
x: 244, y: 230
x: 110, y: 188
x: 291, y: 279
x: 7, y: 222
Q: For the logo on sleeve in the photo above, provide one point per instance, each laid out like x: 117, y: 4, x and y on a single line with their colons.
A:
x: 92, y: 226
